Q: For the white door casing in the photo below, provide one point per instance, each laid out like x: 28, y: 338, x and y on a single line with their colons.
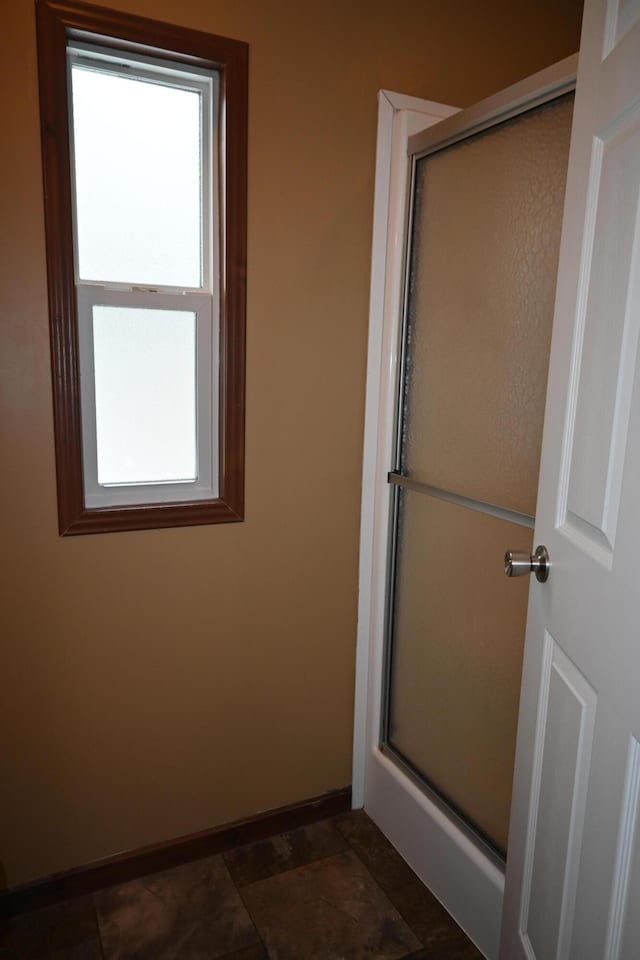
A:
x: 573, y: 875
x: 399, y: 117
x: 393, y: 801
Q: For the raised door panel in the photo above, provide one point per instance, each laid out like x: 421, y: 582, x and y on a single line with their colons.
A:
x: 562, y: 758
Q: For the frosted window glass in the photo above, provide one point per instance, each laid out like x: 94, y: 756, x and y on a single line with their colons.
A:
x: 138, y: 180
x: 487, y: 221
x: 145, y: 381
x: 458, y: 640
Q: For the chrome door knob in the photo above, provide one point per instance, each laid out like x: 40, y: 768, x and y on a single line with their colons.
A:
x: 518, y: 564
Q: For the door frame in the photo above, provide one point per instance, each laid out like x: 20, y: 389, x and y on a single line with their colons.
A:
x: 459, y: 871
x: 399, y: 117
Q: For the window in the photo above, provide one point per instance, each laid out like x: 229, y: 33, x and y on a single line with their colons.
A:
x: 144, y: 130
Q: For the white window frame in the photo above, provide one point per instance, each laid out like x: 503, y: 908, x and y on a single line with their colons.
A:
x: 202, y: 301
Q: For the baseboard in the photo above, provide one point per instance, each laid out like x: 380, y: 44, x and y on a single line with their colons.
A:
x: 85, y: 879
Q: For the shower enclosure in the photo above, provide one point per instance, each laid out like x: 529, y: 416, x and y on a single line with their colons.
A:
x: 457, y: 379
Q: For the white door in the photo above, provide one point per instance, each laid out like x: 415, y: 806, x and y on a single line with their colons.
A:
x: 459, y: 868
x: 573, y: 873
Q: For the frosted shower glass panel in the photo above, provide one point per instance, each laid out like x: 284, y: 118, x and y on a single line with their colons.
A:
x: 487, y: 219
x: 138, y: 180
x: 145, y: 377
x: 457, y: 655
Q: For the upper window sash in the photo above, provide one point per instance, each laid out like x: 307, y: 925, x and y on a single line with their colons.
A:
x: 205, y: 85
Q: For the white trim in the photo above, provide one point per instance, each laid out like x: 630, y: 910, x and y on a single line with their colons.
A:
x: 398, y: 117
x: 459, y: 873
x: 468, y: 882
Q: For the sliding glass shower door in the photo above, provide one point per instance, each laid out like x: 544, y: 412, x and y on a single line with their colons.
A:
x: 484, y: 241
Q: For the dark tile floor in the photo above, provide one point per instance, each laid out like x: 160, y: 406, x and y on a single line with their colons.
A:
x: 335, y: 890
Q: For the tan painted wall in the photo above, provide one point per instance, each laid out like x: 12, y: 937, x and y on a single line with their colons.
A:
x: 161, y: 682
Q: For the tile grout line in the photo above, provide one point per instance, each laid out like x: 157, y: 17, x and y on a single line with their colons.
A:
x: 98, y: 931
x: 280, y: 873
x: 388, y: 888
x: 348, y: 848
x: 377, y: 882
x: 260, y: 941
x: 297, y: 866
x: 388, y: 897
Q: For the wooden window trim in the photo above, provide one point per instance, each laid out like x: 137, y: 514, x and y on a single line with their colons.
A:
x: 58, y: 22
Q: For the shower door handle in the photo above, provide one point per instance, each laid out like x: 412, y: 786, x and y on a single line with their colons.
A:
x: 517, y: 563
